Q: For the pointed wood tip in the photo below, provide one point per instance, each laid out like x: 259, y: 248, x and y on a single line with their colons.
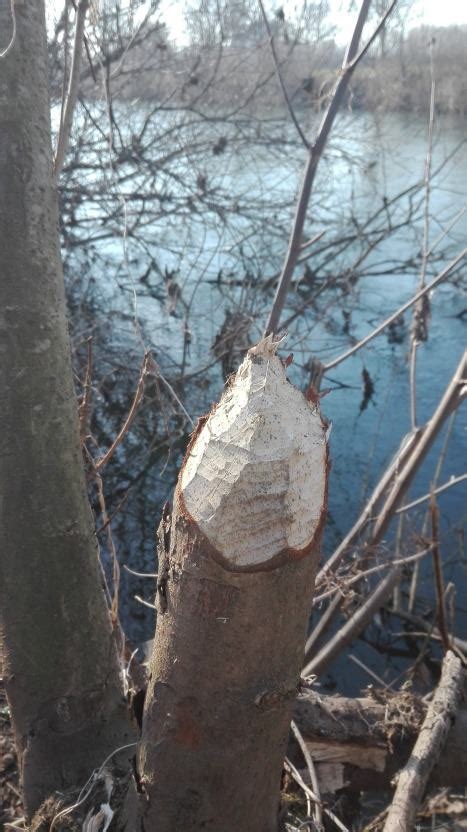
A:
x: 255, y: 477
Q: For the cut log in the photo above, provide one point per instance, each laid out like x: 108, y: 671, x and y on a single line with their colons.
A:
x: 234, y: 588
x: 362, y: 743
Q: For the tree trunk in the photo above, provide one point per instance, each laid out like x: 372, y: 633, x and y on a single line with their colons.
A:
x: 234, y: 590
x: 61, y: 669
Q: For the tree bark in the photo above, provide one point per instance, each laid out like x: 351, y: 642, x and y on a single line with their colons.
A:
x: 235, y: 576
x: 60, y: 663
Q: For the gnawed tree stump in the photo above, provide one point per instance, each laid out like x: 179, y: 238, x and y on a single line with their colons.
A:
x: 234, y: 591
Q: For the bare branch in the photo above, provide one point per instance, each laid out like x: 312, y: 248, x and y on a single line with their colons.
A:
x: 438, y: 572
x: 131, y: 415
x: 280, y: 78
x: 449, y: 484
x: 316, y: 149
x: 11, y: 42
x: 72, y: 95
x: 379, y: 329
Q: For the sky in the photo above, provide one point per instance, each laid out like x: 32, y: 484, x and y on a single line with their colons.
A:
x: 442, y: 12
x: 430, y: 12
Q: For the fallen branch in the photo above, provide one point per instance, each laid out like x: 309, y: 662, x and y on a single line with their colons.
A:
x: 413, y: 779
x: 360, y: 744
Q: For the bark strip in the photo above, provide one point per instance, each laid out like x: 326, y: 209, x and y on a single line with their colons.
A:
x: 233, y: 594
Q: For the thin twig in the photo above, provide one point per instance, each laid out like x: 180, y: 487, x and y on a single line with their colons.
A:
x: 318, y: 813
x: 438, y: 571
x: 72, y: 95
x: 66, y: 21
x: 439, y: 466
x: 140, y: 574
x: 355, y: 625
x: 370, y: 672
x: 289, y: 766
x: 447, y: 229
x: 309, y: 243
x: 412, y: 382
x: 275, y: 58
x: 315, y: 152
x: 144, y: 603
x: 89, y: 785
x: 345, y: 583
x: 403, y: 453
x: 428, y: 288
x: 449, y: 484
x: 113, y: 553
x: 458, y: 644
x: 131, y: 415
x: 10, y: 45
x: 85, y: 405
x: 157, y: 372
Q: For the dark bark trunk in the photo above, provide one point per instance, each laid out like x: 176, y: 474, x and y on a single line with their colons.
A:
x: 61, y: 670
x: 233, y: 608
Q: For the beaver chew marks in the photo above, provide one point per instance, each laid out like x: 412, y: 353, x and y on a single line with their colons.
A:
x: 254, y: 480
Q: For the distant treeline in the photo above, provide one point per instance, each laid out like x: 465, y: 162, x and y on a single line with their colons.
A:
x: 400, y: 79
x: 216, y: 78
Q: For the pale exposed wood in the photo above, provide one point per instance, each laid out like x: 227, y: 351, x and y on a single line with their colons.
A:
x: 413, y: 779
x: 353, y: 754
x: 254, y: 480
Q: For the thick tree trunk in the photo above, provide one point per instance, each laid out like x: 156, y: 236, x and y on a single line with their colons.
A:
x: 60, y: 664
x: 234, y: 589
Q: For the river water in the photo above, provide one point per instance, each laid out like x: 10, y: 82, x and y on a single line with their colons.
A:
x: 370, y: 160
